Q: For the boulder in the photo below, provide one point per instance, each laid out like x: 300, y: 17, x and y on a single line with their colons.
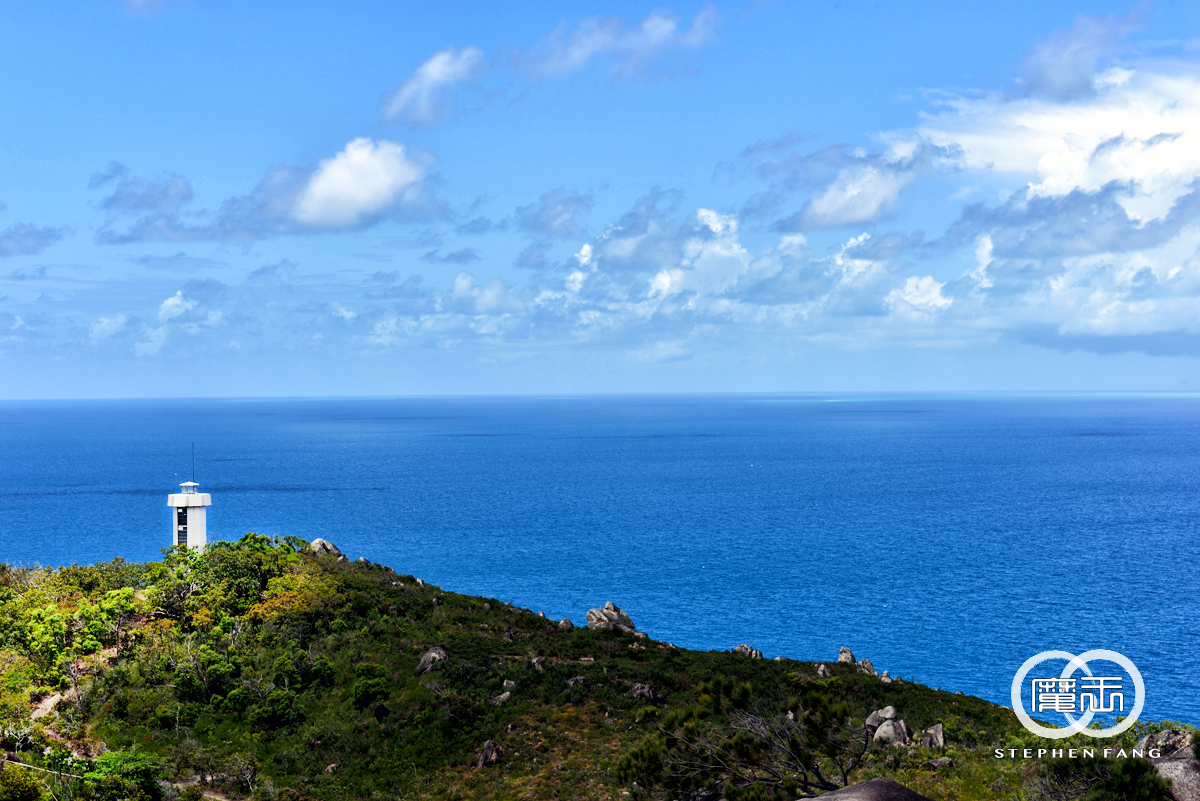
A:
x: 429, y: 659
x: 565, y: 624
x: 490, y: 754
x: 895, y: 732
x: 331, y: 768
x: 845, y: 656
x: 941, y: 762
x: 880, y: 715
x: 580, y: 680
x: 539, y: 664
x: 1184, y: 775
x: 865, y: 666
x: 876, y: 790
x: 746, y: 650
x: 610, y: 617
x: 935, y: 737
x: 1167, y: 741
x: 509, y: 684
x: 323, y: 547
x: 645, y: 692
x: 823, y: 671
x: 497, y: 700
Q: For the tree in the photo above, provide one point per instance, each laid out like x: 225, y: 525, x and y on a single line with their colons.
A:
x: 724, y: 747
x: 19, y: 784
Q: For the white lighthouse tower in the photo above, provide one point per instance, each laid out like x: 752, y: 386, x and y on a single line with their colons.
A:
x: 188, y: 526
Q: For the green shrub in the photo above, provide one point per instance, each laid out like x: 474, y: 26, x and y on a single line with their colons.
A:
x: 125, y: 774
x: 19, y: 784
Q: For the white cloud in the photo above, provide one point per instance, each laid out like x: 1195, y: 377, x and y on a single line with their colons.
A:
x: 361, y: 181
x: 1140, y: 127
x: 341, y: 311
x: 860, y: 194
x: 564, y: 52
x: 105, y: 327
x: 921, y: 294
x: 174, y: 306
x: 422, y: 98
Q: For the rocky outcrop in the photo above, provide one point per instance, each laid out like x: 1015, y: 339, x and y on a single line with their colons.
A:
x: 580, y: 680
x: 323, y: 548
x: 500, y: 699
x: 490, y: 754
x: 823, y: 671
x: 894, y: 732
x: 845, y: 656
x: 865, y: 666
x: 933, y: 737
x: 1184, y: 775
x: 746, y: 650
x: 876, y: 718
x: 876, y: 790
x: 645, y: 692
x: 611, y: 617
x: 430, y: 658
x: 1171, y: 744
x: 565, y: 624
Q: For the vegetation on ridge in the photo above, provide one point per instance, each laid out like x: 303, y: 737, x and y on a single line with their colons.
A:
x: 260, y: 670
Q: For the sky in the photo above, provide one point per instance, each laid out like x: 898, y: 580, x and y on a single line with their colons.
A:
x: 386, y: 198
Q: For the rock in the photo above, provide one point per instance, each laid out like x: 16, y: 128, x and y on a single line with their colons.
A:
x: 331, y: 768
x: 880, y: 715
x: 865, y: 666
x: 941, y: 762
x: 1167, y: 741
x: 487, y: 607
x: 576, y: 680
x: 508, y: 634
x: 885, y: 679
x: 565, y: 624
x: 539, y: 664
x: 876, y: 790
x: 895, y: 732
x: 779, y: 659
x: 323, y: 547
x: 548, y: 630
x: 746, y: 650
x: 845, y: 657
x: 429, y: 659
x: 541, y: 614
x: 645, y: 692
x: 497, y: 700
x: 610, y: 617
x: 362, y: 560
x: 823, y: 672
x: 1184, y: 775
x: 490, y: 754
x: 937, y: 736
x: 509, y: 684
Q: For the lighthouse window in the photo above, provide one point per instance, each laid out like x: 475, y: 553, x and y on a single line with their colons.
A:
x: 183, y: 535
x: 181, y: 516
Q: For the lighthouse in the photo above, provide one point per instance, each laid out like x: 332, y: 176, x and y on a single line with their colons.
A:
x: 188, y: 516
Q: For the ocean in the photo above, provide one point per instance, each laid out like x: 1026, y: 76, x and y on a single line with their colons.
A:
x: 946, y: 539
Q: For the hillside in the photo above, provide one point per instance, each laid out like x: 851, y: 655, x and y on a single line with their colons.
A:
x: 263, y: 670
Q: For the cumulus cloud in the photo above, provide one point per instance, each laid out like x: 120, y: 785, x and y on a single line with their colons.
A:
x: 360, y: 184
x: 361, y: 181
x: 427, y: 94
x: 21, y: 239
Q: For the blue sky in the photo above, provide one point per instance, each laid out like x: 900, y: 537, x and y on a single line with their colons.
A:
x: 201, y: 198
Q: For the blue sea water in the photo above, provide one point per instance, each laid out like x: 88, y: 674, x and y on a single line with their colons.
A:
x: 947, y: 539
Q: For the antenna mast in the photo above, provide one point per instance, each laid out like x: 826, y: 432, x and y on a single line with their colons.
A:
x: 193, y: 463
